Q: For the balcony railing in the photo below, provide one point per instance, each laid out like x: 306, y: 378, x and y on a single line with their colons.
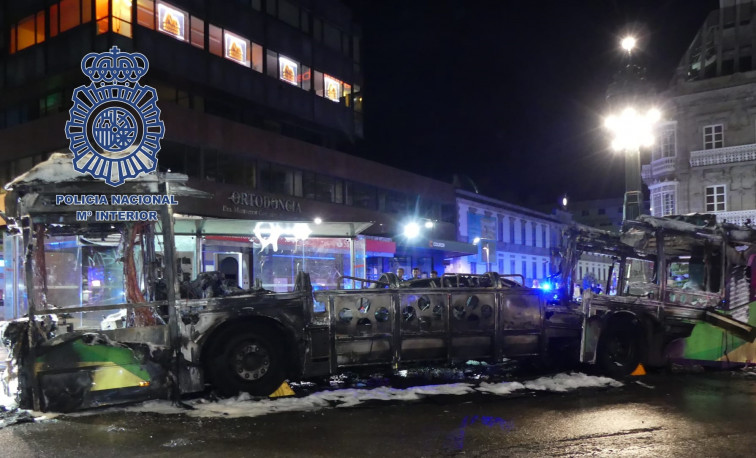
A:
x: 658, y: 168
x: 726, y: 155
x: 740, y: 217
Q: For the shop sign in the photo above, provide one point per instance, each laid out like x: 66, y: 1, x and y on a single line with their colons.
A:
x: 437, y: 244
x: 263, y: 202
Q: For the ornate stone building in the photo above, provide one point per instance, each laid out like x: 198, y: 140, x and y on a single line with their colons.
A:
x: 704, y: 159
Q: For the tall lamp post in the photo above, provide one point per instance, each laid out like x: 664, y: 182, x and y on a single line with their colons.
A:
x: 632, y: 130
x: 632, y: 125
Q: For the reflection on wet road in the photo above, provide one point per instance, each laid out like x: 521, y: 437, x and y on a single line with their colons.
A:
x: 657, y: 415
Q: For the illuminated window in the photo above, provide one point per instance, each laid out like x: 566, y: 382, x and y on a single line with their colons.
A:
x: 318, y: 77
x: 172, y: 21
x: 26, y: 35
x: 663, y: 197
x: 332, y: 88
x: 146, y: 13
x: 101, y: 16
x: 13, y: 39
x: 198, y: 32
x: 241, y: 50
x: 54, y: 20
x: 40, y: 27
x: 70, y: 14
x: 288, y: 70
x: 236, y: 48
x: 122, y: 17
x: 215, y: 35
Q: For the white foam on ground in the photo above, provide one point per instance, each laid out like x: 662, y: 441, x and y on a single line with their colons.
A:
x: 558, y: 383
x: 244, y: 406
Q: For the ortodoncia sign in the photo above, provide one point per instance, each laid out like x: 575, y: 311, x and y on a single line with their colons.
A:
x: 114, y: 128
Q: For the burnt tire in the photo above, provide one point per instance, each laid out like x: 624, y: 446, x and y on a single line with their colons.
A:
x: 619, y: 349
x: 251, y: 361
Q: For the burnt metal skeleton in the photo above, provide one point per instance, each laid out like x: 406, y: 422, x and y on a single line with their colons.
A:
x: 166, y: 336
x: 672, y: 273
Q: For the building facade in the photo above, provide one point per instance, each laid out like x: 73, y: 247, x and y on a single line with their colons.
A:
x: 510, y: 239
x: 262, y: 106
x: 704, y: 159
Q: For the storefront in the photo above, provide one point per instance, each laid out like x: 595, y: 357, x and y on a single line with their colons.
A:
x: 270, y: 253
x: 427, y: 255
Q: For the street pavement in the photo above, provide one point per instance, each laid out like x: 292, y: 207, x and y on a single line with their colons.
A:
x: 659, y: 415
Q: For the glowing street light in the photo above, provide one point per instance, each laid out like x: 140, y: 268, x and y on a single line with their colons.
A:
x: 628, y: 43
x: 632, y: 129
x: 411, y: 230
x: 632, y: 125
x: 429, y: 224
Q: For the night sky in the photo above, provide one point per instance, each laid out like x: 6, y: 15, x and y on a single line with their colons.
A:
x: 510, y: 93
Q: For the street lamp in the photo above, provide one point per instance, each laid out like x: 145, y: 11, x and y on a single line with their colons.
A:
x: 632, y: 124
x: 488, y: 259
x: 411, y: 230
x: 632, y: 130
x: 628, y: 43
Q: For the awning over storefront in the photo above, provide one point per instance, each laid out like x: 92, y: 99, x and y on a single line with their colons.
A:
x: 382, y: 248
x: 186, y: 225
x: 446, y: 248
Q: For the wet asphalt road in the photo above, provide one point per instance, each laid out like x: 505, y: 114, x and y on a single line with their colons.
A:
x: 686, y: 415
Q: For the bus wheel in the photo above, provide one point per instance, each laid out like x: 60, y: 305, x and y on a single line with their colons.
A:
x: 619, y: 350
x: 252, y: 362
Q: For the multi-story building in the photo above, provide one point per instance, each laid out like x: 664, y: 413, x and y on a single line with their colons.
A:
x: 511, y: 240
x: 705, y: 156
x: 262, y: 106
x: 600, y: 213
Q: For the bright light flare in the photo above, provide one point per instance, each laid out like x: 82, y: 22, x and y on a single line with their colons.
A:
x: 429, y: 224
x: 301, y: 231
x: 628, y: 43
x: 317, y: 220
x: 476, y: 240
x: 411, y: 230
x: 632, y: 129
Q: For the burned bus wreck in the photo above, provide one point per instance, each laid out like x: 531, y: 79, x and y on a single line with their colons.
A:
x: 671, y: 275
x: 114, y: 318
x: 108, y: 312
